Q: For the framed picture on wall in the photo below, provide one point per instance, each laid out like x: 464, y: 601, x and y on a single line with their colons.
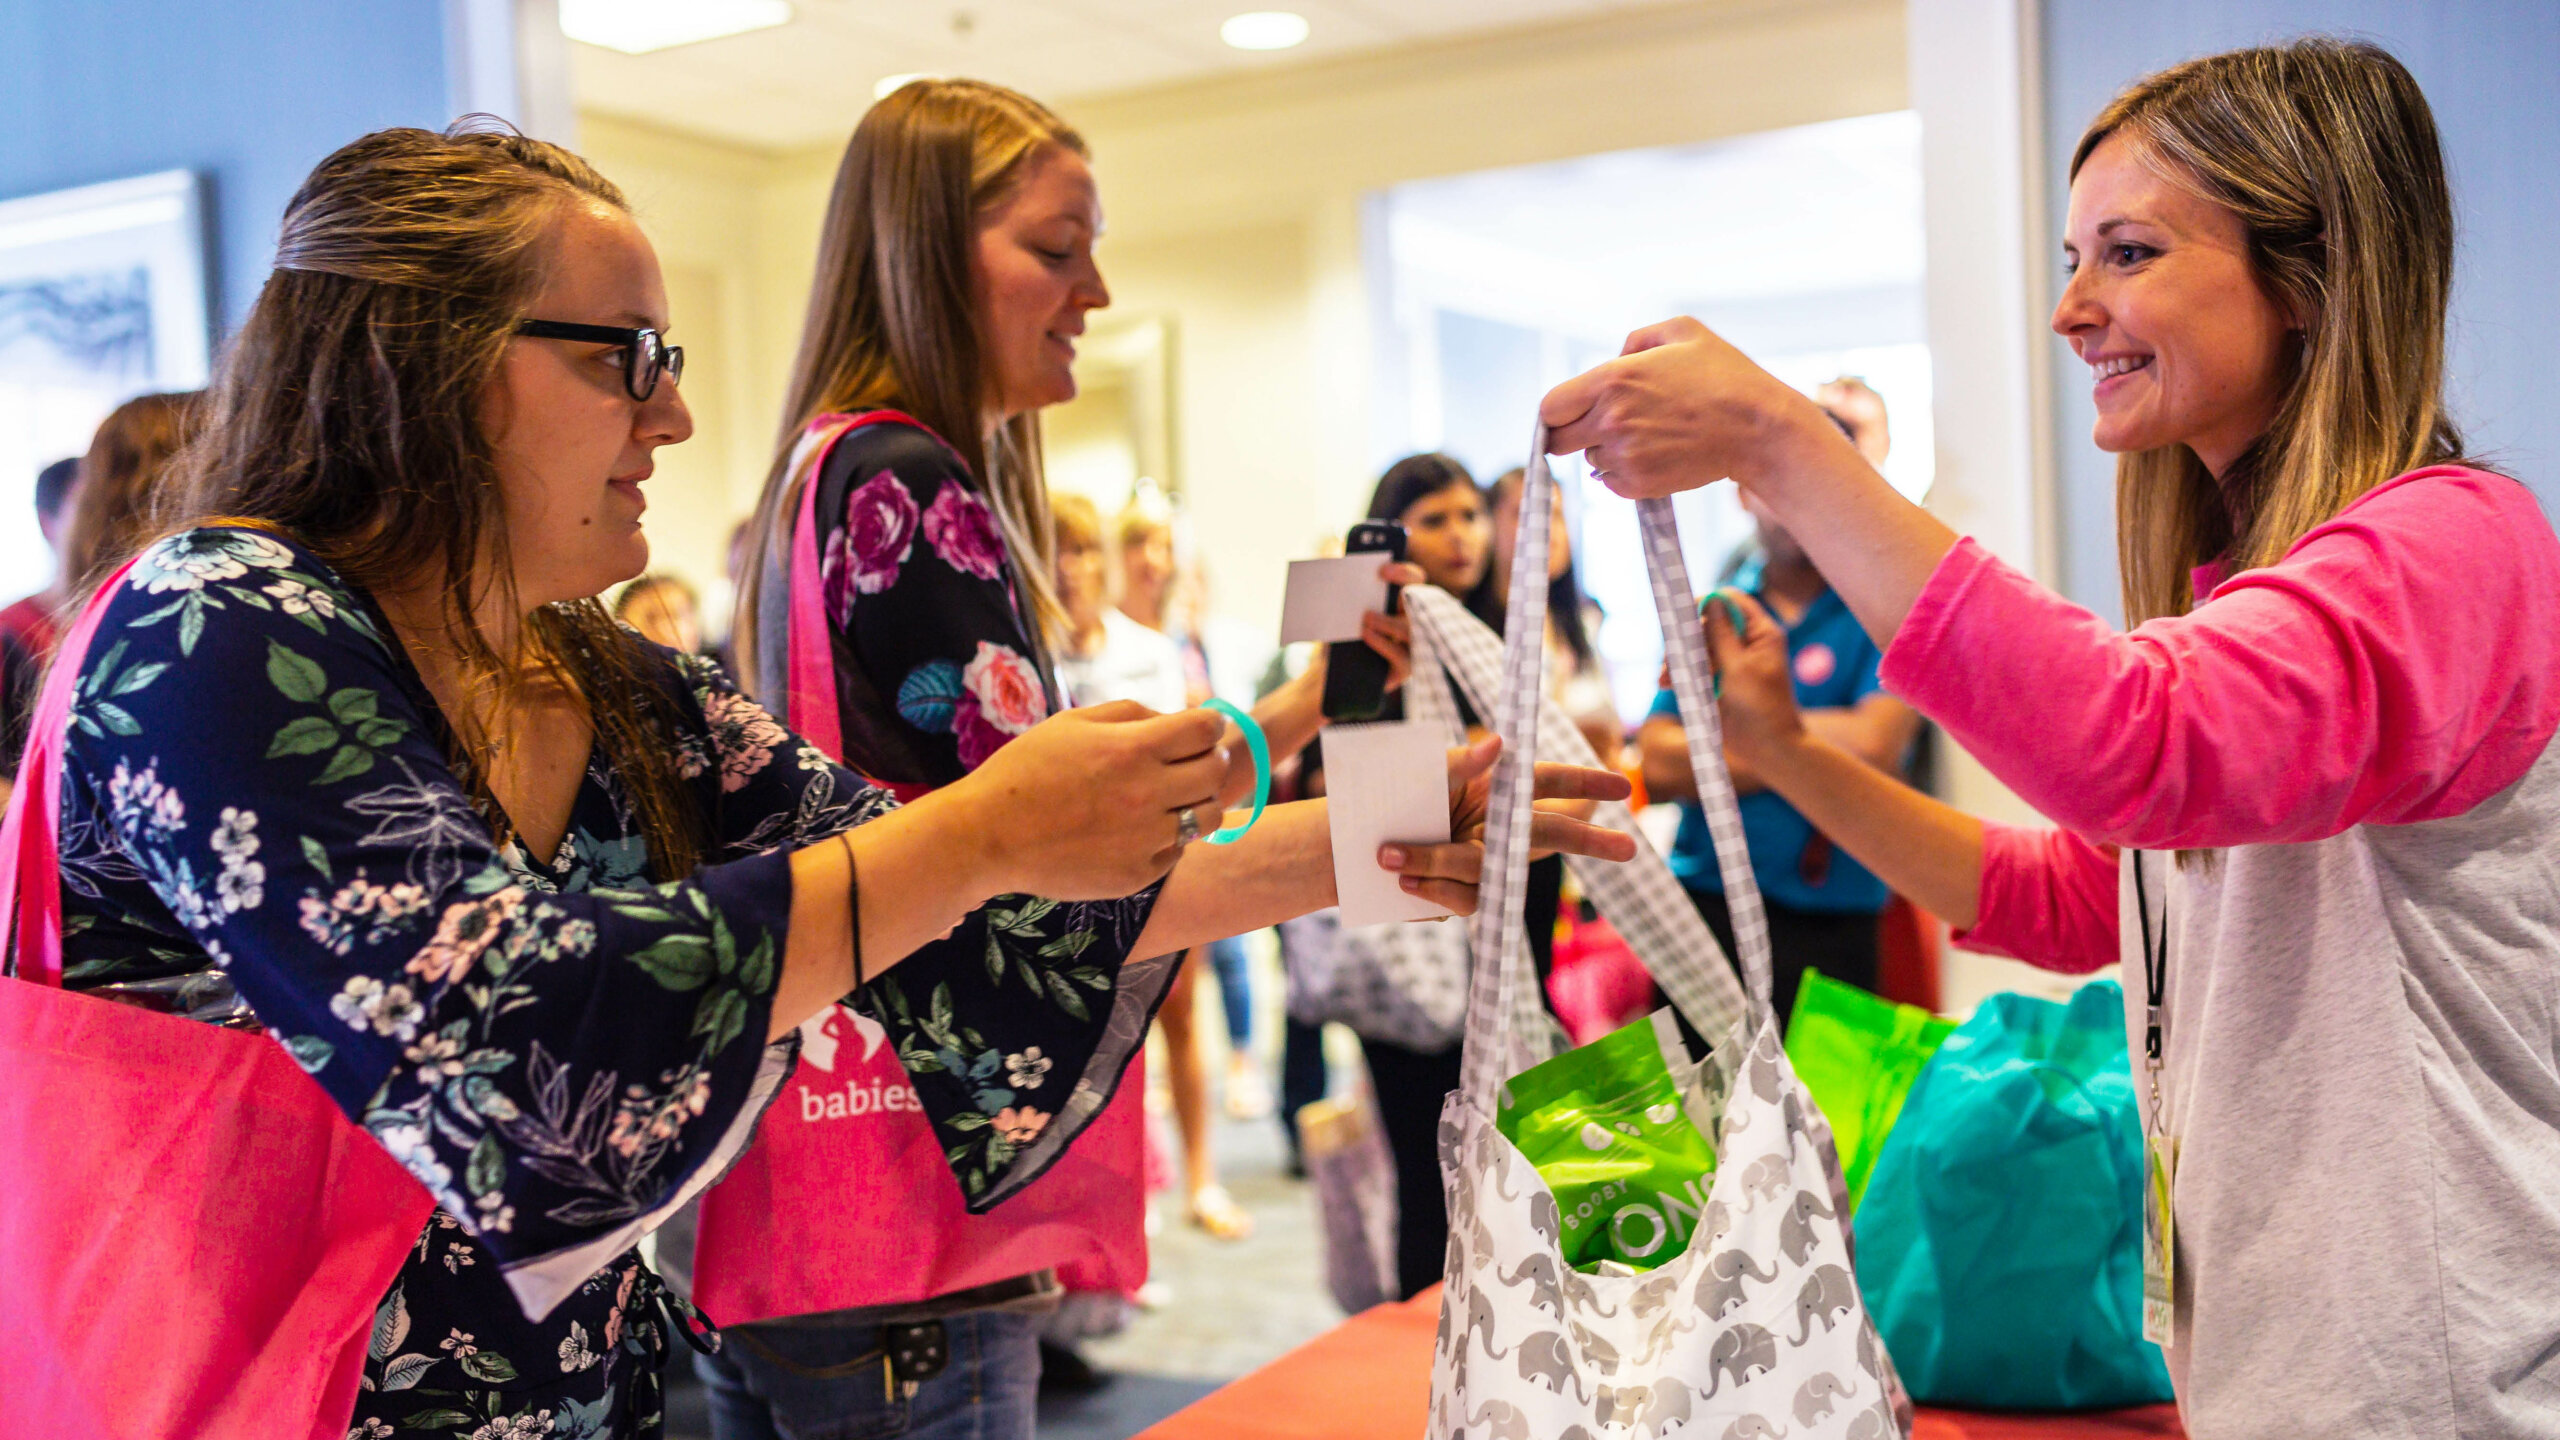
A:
x: 102, y: 297
x: 1118, y: 432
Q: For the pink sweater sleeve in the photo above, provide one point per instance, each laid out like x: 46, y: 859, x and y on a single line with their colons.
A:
x: 2048, y: 898
x: 2401, y: 663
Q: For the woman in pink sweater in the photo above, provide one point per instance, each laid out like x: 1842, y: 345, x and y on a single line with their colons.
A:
x: 2330, y: 728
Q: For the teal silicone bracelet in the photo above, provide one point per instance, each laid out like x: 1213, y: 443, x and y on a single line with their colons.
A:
x: 1261, y: 747
x: 1732, y: 612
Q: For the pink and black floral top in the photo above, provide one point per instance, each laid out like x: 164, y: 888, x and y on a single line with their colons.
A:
x: 937, y: 662
x: 937, y: 665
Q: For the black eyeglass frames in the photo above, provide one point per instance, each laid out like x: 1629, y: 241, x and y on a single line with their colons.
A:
x: 645, y: 355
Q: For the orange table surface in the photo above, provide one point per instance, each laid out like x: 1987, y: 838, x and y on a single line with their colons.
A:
x: 1369, y: 1378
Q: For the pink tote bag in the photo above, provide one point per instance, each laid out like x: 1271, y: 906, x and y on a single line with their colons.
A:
x: 193, y: 1238
x: 845, y: 1199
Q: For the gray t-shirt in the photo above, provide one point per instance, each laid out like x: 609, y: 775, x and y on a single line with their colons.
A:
x: 2362, y: 1067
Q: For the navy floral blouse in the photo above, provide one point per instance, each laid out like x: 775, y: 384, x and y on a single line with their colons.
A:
x: 260, y: 829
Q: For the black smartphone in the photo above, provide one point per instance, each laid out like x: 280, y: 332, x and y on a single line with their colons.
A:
x: 1355, y: 676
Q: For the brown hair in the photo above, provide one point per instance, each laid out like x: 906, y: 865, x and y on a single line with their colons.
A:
x: 347, y: 415
x: 893, y: 312
x: 2327, y: 152
x: 119, y: 480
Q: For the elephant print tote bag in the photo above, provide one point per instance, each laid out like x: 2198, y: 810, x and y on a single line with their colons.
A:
x: 1755, y: 1329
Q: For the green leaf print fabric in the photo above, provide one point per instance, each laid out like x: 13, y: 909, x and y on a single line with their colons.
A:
x: 260, y: 829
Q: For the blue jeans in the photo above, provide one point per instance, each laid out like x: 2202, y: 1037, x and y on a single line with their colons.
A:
x: 1235, y: 989
x: 989, y: 1391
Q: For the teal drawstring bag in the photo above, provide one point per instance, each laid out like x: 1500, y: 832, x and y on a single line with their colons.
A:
x: 2000, y: 1237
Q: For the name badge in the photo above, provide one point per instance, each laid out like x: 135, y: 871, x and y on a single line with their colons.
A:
x: 2159, y: 1238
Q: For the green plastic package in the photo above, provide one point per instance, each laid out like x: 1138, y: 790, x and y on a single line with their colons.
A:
x: 1859, y: 1054
x: 1609, y: 1129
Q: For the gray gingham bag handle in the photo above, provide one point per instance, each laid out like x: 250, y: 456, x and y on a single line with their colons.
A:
x: 1508, y: 1029
x: 1646, y: 903
x: 1685, y: 646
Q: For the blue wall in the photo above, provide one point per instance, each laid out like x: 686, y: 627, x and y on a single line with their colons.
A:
x: 2488, y: 68
x: 252, y: 93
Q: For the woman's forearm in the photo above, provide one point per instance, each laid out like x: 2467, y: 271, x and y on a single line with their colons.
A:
x: 1874, y: 547
x: 922, y: 870
x: 1281, y: 868
x: 1922, y: 847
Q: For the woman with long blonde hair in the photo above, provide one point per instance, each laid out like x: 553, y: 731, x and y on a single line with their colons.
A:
x: 955, y: 275
x: 2309, y: 801
x: 356, y: 768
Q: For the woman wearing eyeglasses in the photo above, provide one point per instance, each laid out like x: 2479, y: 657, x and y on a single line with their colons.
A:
x: 357, y: 763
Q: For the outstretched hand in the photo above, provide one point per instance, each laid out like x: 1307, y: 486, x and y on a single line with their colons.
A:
x: 1448, y: 875
x: 1086, y: 804
x: 1681, y: 408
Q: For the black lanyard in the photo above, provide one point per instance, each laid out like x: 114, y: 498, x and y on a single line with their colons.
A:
x: 2155, y: 963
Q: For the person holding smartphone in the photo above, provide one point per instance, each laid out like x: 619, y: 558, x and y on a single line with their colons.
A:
x: 2309, y: 800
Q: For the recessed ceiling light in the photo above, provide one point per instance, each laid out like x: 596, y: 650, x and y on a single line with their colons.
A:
x: 891, y: 84
x: 1264, y: 30
x: 636, y: 27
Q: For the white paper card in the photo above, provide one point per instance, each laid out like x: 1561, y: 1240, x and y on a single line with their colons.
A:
x: 1384, y: 782
x: 1326, y: 598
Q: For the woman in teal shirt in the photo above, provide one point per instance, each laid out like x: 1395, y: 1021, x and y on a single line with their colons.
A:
x: 1822, y: 904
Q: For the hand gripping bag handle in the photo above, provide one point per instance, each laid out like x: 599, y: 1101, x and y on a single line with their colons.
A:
x: 1502, y: 995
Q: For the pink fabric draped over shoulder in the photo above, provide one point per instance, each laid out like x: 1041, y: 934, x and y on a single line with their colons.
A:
x: 2401, y: 663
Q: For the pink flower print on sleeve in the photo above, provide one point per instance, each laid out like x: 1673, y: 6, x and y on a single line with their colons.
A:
x: 864, y: 554
x: 962, y: 530
x: 466, y: 930
x: 1002, y: 698
x: 743, y: 735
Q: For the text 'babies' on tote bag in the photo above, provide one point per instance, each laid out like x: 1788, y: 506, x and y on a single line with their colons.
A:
x: 193, y: 1238
x: 845, y: 1199
x: 1755, y: 1328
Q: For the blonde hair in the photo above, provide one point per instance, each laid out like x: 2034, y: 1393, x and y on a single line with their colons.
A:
x: 1147, y: 514
x: 893, y: 314
x: 1076, y: 520
x: 2327, y: 152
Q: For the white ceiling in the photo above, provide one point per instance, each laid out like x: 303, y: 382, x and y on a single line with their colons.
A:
x: 807, y: 82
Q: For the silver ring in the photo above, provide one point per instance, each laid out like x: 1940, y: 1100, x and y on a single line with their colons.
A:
x: 1188, y: 826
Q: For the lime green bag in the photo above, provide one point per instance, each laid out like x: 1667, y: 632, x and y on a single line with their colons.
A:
x: 1859, y: 1054
x: 1609, y: 1129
